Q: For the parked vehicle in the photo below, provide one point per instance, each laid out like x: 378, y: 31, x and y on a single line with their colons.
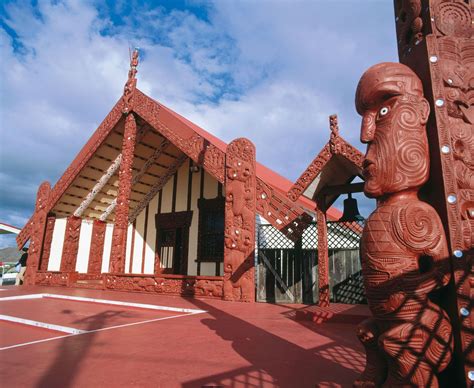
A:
x: 8, y: 277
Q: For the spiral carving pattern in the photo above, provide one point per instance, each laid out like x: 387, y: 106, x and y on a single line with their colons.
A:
x: 454, y: 19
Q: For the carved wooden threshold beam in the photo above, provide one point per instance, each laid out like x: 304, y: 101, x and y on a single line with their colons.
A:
x: 153, y: 158
x: 157, y: 187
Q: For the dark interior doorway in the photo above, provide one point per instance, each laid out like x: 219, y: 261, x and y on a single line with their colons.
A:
x: 172, y: 239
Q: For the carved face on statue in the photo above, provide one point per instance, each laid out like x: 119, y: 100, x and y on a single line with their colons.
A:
x: 394, y: 114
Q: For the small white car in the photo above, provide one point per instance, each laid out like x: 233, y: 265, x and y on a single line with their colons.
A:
x: 8, y: 277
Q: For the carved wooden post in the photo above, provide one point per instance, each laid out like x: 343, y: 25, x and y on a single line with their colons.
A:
x: 37, y: 232
x: 435, y: 39
x: 71, y: 244
x: 323, y: 258
x: 239, y: 247
x: 97, y: 247
x: 119, y: 237
x: 48, y: 238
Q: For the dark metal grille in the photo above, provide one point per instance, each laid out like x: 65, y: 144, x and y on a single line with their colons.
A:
x: 344, y: 235
x: 270, y: 237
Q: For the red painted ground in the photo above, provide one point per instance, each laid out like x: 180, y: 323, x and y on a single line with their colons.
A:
x: 233, y: 344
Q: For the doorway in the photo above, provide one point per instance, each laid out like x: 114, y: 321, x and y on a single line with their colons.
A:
x: 171, y: 253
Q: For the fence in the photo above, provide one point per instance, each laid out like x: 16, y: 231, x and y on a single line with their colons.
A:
x: 287, y: 271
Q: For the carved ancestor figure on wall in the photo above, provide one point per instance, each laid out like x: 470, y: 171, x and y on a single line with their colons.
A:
x: 239, y: 235
x: 403, y: 248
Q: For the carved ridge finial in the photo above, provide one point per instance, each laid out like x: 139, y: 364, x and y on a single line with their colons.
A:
x: 131, y: 83
x: 334, y: 141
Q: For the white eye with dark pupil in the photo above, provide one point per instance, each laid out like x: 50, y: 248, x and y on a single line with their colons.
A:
x: 383, y: 111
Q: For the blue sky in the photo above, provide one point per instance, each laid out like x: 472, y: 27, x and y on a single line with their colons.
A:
x: 272, y: 71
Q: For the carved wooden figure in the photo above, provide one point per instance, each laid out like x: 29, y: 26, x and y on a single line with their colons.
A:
x: 97, y: 247
x: 239, y: 235
x: 48, y: 238
x: 71, y: 244
x: 38, y: 232
x: 404, y: 251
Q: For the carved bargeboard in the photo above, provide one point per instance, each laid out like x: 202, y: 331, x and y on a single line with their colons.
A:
x: 239, y: 234
x: 38, y: 232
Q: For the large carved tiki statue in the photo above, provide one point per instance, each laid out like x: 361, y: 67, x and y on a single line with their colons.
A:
x: 403, y: 249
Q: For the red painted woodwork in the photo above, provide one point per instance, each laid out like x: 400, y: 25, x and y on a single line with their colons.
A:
x: 323, y: 259
x: 71, y: 244
x: 55, y: 278
x: 119, y: 236
x: 337, y: 145
x: 441, y: 55
x: 239, y: 230
x: 38, y: 232
x: 97, y: 247
x: 131, y: 84
x: 404, y: 252
x: 208, y: 152
x: 201, y: 286
x: 48, y: 238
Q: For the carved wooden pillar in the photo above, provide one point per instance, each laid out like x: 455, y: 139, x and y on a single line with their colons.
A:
x: 119, y: 237
x: 97, y: 247
x: 71, y: 244
x: 37, y: 232
x: 239, y: 247
x: 323, y: 259
x: 436, y: 41
x: 48, y: 238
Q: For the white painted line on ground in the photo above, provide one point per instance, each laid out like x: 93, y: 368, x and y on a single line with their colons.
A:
x: 43, y: 325
x: 120, y: 303
x: 103, y: 301
x: 96, y: 330
x: 19, y: 297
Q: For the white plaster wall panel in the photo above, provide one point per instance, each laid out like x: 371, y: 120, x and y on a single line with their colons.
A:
x: 138, y: 243
x: 151, y: 237
x: 85, y: 238
x: 208, y: 269
x: 129, y: 248
x: 210, y: 186
x: 167, y: 197
x: 182, y: 188
x: 107, y: 247
x: 57, y: 243
x: 193, y: 230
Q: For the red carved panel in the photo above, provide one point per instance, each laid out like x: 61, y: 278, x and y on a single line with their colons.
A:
x: 48, y: 238
x: 323, y: 259
x: 443, y: 60
x: 210, y: 287
x: 38, y: 227
x: 404, y: 252
x: 119, y: 236
x: 239, y: 234
x: 57, y: 279
x: 97, y: 247
x: 71, y: 244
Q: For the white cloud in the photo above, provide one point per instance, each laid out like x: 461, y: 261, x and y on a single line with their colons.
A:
x: 269, y: 71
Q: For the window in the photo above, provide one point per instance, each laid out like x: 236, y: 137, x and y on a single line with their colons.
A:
x: 211, y: 230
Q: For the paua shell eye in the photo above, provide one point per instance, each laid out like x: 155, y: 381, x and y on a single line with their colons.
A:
x: 383, y: 111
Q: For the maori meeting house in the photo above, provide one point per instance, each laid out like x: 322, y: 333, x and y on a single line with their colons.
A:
x: 154, y: 204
